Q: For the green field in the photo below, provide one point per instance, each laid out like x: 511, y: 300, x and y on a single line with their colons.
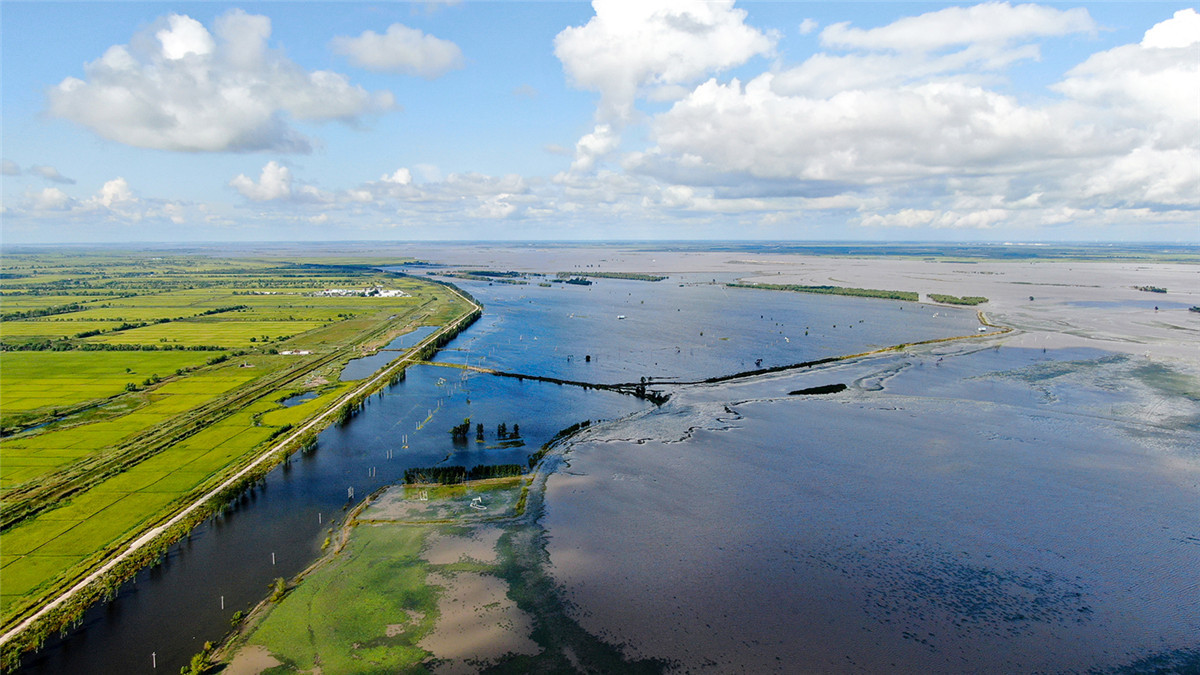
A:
x: 51, y: 327
x: 48, y: 379
x: 229, y: 334
x: 367, y: 608
x: 106, y: 434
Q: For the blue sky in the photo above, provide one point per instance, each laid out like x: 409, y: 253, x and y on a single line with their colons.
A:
x: 660, y: 119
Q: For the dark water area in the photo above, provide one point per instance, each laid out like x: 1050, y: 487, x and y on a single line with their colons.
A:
x: 360, y: 369
x: 296, y: 400
x: 171, y: 610
x: 957, y: 509
x: 686, y: 327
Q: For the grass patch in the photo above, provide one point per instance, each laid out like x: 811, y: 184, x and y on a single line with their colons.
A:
x: 339, y: 617
x: 956, y: 300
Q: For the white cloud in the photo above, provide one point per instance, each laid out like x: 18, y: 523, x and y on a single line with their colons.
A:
x: 50, y: 173
x: 494, y: 207
x: 987, y: 23
x: 177, y: 87
x: 48, y: 199
x: 808, y: 25
x: 184, y: 36
x: 601, y: 141
x: 909, y: 126
x: 957, y: 41
x: 630, y: 49
x: 10, y: 168
x: 401, y: 176
x: 400, y: 50
x: 1181, y: 30
x: 856, y: 136
x: 275, y: 182
x: 910, y: 218
x: 114, y: 194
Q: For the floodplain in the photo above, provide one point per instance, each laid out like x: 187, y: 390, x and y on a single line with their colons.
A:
x: 941, y: 499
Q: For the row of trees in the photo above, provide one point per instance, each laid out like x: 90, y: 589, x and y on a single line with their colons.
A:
x: 447, y: 475
x: 459, y: 431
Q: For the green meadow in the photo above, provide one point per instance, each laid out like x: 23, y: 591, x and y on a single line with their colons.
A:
x: 132, y: 384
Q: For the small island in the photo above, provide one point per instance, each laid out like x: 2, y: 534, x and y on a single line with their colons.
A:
x: 955, y: 300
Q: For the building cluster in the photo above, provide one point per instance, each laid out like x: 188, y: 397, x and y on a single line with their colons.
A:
x: 376, y: 292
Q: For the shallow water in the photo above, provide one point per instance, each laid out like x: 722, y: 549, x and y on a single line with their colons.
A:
x: 994, y: 511
x: 695, y: 330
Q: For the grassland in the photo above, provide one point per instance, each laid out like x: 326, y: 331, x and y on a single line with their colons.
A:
x: 174, y: 385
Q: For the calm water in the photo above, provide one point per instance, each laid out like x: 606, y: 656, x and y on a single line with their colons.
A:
x: 173, y: 609
x: 992, y: 511
x: 358, y: 369
x: 694, y: 330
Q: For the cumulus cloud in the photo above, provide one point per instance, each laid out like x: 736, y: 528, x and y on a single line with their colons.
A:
x: 632, y: 49
x: 1181, y: 30
x: 275, y: 182
x: 401, y: 176
x: 114, y: 194
x: 178, y: 86
x: 10, y: 168
x: 51, y: 174
x: 906, y: 121
x: 400, y: 50
x: 48, y: 199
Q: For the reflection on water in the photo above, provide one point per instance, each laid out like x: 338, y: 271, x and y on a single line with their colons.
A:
x: 690, y: 331
x: 362, y: 368
x: 957, y: 510
x: 173, y: 609
x: 277, y: 529
x: 298, y: 399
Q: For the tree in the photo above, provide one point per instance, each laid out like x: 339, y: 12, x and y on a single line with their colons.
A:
x: 459, y: 431
x: 502, y: 430
x: 280, y: 587
x: 516, y: 432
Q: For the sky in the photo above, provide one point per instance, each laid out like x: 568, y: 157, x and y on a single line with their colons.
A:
x: 615, y: 120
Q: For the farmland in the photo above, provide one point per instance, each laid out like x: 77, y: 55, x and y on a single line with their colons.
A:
x: 131, y: 384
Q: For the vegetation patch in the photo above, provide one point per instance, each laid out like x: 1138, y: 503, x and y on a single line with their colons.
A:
x: 956, y: 300
x: 633, y: 276
x: 836, y: 290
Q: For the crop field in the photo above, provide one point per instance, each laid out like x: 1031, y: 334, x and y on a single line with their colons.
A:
x: 175, y: 382
x: 54, y: 449
x: 48, y: 379
x: 226, y: 334
x: 51, y: 328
